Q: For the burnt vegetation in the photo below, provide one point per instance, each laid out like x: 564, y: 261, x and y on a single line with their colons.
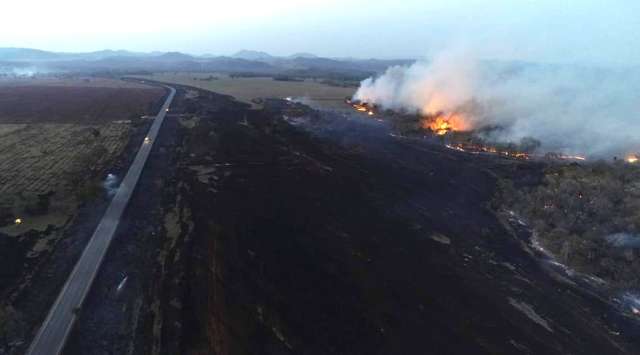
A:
x: 282, y: 230
x: 346, y: 240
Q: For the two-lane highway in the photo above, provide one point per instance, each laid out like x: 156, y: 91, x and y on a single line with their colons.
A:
x: 54, y: 331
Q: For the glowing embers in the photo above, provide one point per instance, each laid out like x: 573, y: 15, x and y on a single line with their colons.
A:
x: 509, y: 153
x: 362, y: 107
x: 476, y: 149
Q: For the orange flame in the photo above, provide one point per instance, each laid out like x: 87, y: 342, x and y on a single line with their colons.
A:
x: 477, y: 148
x: 360, y: 108
x: 442, y: 124
x: 632, y: 159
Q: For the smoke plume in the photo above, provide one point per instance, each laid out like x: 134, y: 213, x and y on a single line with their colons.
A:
x: 570, y: 109
x: 110, y: 185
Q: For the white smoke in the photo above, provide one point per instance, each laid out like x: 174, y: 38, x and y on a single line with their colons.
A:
x: 571, y: 109
x: 22, y: 71
x: 624, y: 240
x: 110, y: 185
x: 442, y: 85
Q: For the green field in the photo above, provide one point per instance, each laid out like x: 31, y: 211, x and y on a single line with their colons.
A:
x: 246, y: 89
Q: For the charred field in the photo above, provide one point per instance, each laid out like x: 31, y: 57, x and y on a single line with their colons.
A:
x: 288, y: 230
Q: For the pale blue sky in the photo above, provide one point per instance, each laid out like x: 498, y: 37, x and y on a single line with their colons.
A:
x: 583, y: 31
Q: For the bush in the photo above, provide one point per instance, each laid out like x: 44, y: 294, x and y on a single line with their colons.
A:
x: 37, y: 204
x: 89, y: 191
x: 576, y: 207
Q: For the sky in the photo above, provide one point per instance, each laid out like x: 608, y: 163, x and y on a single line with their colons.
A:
x: 569, y: 31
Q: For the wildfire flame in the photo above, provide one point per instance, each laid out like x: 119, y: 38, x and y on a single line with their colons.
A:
x: 361, y: 107
x: 442, y: 123
x: 477, y: 149
x: 439, y: 123
x: 632, y: 159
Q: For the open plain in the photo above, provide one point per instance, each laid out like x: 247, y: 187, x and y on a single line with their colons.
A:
x: 250, y: 89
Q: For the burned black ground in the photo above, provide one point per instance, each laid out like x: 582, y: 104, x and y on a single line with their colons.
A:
x: 328, y: 235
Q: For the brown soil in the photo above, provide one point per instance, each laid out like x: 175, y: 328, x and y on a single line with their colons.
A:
x: 68, y: 104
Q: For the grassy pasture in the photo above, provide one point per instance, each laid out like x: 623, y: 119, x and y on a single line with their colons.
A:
x: 56, y: 136
x: 248, y: 89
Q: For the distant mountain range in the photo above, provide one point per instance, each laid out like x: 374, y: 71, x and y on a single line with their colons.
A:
x: 31, y: 55
x: 253, y: 55
x: 264, y: 56
x: 34, y: 55
x: 246, y: 61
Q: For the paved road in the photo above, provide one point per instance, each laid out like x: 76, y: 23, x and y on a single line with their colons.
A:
x: 56, y: 328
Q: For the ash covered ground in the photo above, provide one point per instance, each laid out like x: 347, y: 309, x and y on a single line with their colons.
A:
x: 286, y: 230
